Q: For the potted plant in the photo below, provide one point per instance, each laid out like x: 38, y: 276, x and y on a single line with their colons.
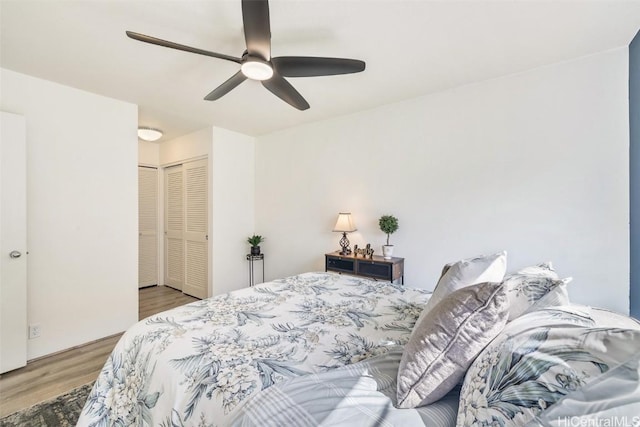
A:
x: 255, y: 241
x: 389, y: 225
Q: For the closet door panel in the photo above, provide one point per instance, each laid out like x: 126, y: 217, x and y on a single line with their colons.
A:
x: 196, y: 276
x: 196, y: 228
x: 175, y: 262
x: 147, y: 226
x: 174, y: 226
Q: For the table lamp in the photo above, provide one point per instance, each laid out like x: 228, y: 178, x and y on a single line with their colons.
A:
x: 344, y: 225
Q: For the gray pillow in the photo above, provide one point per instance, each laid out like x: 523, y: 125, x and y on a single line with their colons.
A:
x: 467, y: 272
x: 447, y: 339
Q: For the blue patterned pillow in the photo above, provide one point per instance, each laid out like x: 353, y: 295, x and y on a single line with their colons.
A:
x: 544, y: 269
x: 611, y: 399
x: 531, y: 284
x: 536, y: 360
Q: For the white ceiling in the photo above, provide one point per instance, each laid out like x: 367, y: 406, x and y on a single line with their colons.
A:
x: 411, y: 48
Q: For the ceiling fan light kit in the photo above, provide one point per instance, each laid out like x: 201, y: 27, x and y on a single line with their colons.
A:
x: 256, y: 62
x: 256, y: 69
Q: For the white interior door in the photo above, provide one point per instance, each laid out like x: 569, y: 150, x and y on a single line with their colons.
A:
x: 13, y: 242
x: 196, y: 229
x: 147, y: 226
x: 174, y: 227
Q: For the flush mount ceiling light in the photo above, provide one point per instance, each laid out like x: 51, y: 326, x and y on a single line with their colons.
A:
x: 149, y: 134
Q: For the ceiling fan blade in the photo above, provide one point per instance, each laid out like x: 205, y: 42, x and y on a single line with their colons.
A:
x: 226, y: 87
x: 310, y: 66
x: 257, y: 29
x: 281, y: 88
x: 172, y: 45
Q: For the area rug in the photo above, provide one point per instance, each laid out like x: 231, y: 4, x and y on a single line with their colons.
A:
x: 61, y: 411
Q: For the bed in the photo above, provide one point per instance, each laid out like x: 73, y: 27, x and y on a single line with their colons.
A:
x: 197, y: 364
x: 486, y: 348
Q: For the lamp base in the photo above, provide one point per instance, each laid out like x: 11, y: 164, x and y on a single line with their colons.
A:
x: 344, y: 243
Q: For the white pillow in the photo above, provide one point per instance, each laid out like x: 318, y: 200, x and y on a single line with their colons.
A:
x: 467, y: 272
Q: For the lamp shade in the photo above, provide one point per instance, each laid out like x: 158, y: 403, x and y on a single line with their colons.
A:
x: 345, y: 223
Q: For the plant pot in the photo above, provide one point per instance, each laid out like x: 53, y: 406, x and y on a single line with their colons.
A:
x: 387, y: 251
x: 255, y: 250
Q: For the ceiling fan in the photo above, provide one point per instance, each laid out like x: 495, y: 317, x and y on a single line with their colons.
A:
x: 256, y: 62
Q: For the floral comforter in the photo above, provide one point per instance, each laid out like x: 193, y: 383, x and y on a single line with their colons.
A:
x: 194, y: 365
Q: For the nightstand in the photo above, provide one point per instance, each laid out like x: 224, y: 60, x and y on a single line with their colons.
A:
x: 374, y: 268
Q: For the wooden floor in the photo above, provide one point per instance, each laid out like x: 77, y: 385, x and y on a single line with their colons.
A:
x: 59, y: 373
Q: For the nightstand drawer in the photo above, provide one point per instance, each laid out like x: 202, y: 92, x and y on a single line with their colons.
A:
x: 375, y: 270
x: 338, y: 264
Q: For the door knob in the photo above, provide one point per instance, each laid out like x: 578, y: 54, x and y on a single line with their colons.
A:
x: 15, y: 254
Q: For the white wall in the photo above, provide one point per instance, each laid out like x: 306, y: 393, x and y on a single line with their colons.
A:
x: 82, y: 211
x: 233, y: 209
x: 535, y: 163
x: 148, y: 153
x: 191, y: 146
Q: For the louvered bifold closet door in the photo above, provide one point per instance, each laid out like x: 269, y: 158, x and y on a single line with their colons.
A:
x: 147, y: 226
x: 173, y: 228
x: 196, y: 229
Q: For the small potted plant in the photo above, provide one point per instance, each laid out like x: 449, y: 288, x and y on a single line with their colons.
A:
x: 255, y: 241
x: 389, y: 225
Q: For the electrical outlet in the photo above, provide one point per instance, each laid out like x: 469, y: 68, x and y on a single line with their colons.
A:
x: 34, y: 331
